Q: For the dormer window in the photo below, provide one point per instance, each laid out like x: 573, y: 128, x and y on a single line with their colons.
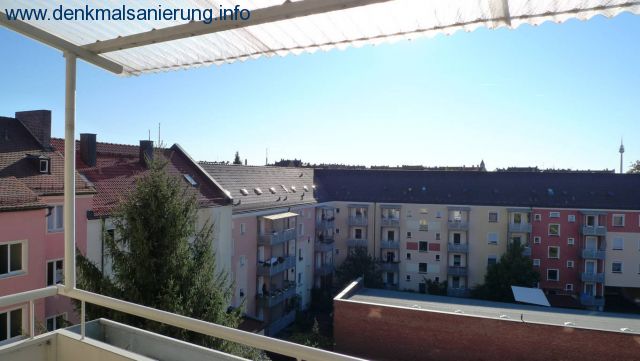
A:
x: 44, y: 165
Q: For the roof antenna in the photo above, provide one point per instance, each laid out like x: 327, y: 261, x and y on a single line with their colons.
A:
x: 158, y: 133
x: 266, y: 161
x: 149, y: 134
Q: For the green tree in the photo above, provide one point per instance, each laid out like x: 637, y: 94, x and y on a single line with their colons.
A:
x: 359, y: 264
x: 514, y: 269
x: 161, y: 259
x: 635, y: 167
x: 312, y: 338
x: 236, y: 159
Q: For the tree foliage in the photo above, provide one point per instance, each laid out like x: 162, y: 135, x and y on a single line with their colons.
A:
x: 635, y: 167
x: 236, y: 159
x: 161, y: 259
x: 514, y: 269
x: 312, y: 337
x: 359, y: 264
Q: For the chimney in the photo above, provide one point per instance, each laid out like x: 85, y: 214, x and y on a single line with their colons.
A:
x: 38, y: 122
x: 88, y: 149
x: 146, y: 151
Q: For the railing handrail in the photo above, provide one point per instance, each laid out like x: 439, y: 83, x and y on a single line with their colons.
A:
x: 286, y: 348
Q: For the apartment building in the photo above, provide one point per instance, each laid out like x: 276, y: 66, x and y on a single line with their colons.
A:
x: 31, y: 220
x: 274, y: 243
x: 449, y: 226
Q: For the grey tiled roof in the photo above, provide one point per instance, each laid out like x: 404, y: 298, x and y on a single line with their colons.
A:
x: 521, y: 189
x: 234, y: 178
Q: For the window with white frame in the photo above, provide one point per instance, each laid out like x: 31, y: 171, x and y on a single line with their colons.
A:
x: 536, y: 262
x: 44, y: 165
x: 571, y: 218
x: 437, y: 258
x: 492, y: 260
x: 11, y: 256
x: 568, y: 287
x: 537, y: 217
x: 10, y: 324
x: 554, y: 214
x: 553, y: 274
x: 56, y: 322
x: 617, y: 220
x: 554, y: 252
x: 493, y: 217
x: 492, y: 238
x: 537, y: 239
x: 437, y: 236
x: 618, y: 244
x: 54, y: 272
x: 570, y: 264
x: 571, y: 241
x: 616, y: 267
x: 55, y: 219
x: 243, y: 228
x: 422, y: 267
x: 408, y: 234
x: 554, y: 229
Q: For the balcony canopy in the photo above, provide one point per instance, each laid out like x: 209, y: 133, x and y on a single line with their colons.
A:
x: 275, y: 217
x: 278, y: 27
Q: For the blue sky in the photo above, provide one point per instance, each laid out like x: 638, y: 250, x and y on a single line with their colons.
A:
x: 551, y: 96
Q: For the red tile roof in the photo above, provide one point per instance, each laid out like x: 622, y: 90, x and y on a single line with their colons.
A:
x: 16, y: 195
x: 118, y: 167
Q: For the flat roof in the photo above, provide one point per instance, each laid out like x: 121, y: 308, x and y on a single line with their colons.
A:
x: 604, y: 321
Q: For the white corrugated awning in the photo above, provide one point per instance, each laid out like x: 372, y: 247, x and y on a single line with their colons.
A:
x: 278, y: 27
x: 274, y: 217
x: 533, y: 296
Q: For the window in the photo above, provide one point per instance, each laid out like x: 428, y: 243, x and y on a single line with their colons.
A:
x: 618, y: 220
x: 570, y: 264
x: 554, y: 252
x: 408, y: 234
x: 554, y: 229
x: 423, y: 246
x: 424, y: 211
x: 537, y: 217
x: 536, y: 262
x: 10, y: 258
x: 437, y: 258
x: 492, y: 238
x: 44, y: 165
x: 554, y: 214
x: 56, y: 322
x: 422, y: 267
x: 391, y: 236
x: 258, y: 191
x: 337, y: 230
x: 299, y: 278
x: 423, y: 225
x: 54, y: 219
x: 337, y: 251
x: 493, y: 217
x: 568, y: 287
x: 571, y: 241
x: 571, y: 218
x: 243, y: 228
x: 537, y: 239
x: 54, y: 272
x: 357, y: 233
x: 244, y: 192
x: 337, y: 210
x: 243, y: 260
x: 618, y: 244
x: 408, y: 278
x: 517, y: 218
x: 492, y: 260
x: 408, y: 255
x: 553, y: 275
x: 10, y: 324
x: 438, y: 214
x: 300, y: 258
x: 457, y: 237
x: 300, y: 229
x: 457, y: 260
x: 437, y: 236
x: 616, y: 267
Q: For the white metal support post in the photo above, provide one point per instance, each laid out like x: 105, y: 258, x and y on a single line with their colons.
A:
x: 69, y: 172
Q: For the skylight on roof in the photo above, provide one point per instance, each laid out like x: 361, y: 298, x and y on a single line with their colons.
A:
x: 244, y: 192
x: 306, y: 189
x: 257, y: 190
x: 284, y: 188
x: 293, y: 189
x: 190, y: 179
x: 272, y: 190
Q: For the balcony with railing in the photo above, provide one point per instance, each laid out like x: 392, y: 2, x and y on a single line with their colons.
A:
x: 277, y: 238
x: 280, y: 324
x: 592, y: 253
x: 458, y: 225
x: 457, y: 271
x: 324, y: 246
x: 390, y: 222
x: 392, y: 266
x: 390, y: 244
x: 458, y: 247
x: 592, y: 301
x: 592, y: 277
x: 599, y: 231
x: 458, y: 292
x: 520, y: 227
x: 325, y: 269
x: 357, y: 243
x: 325, y: 223
x: 358, y: 220
x: 275, y: 297
x: 274, y: 267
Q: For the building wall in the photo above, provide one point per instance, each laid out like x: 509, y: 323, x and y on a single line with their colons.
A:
x: 394, y: 333
x: 629, y: 255
x: 480, y: 249
x: 304, y: 256
x: 244, y: 262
